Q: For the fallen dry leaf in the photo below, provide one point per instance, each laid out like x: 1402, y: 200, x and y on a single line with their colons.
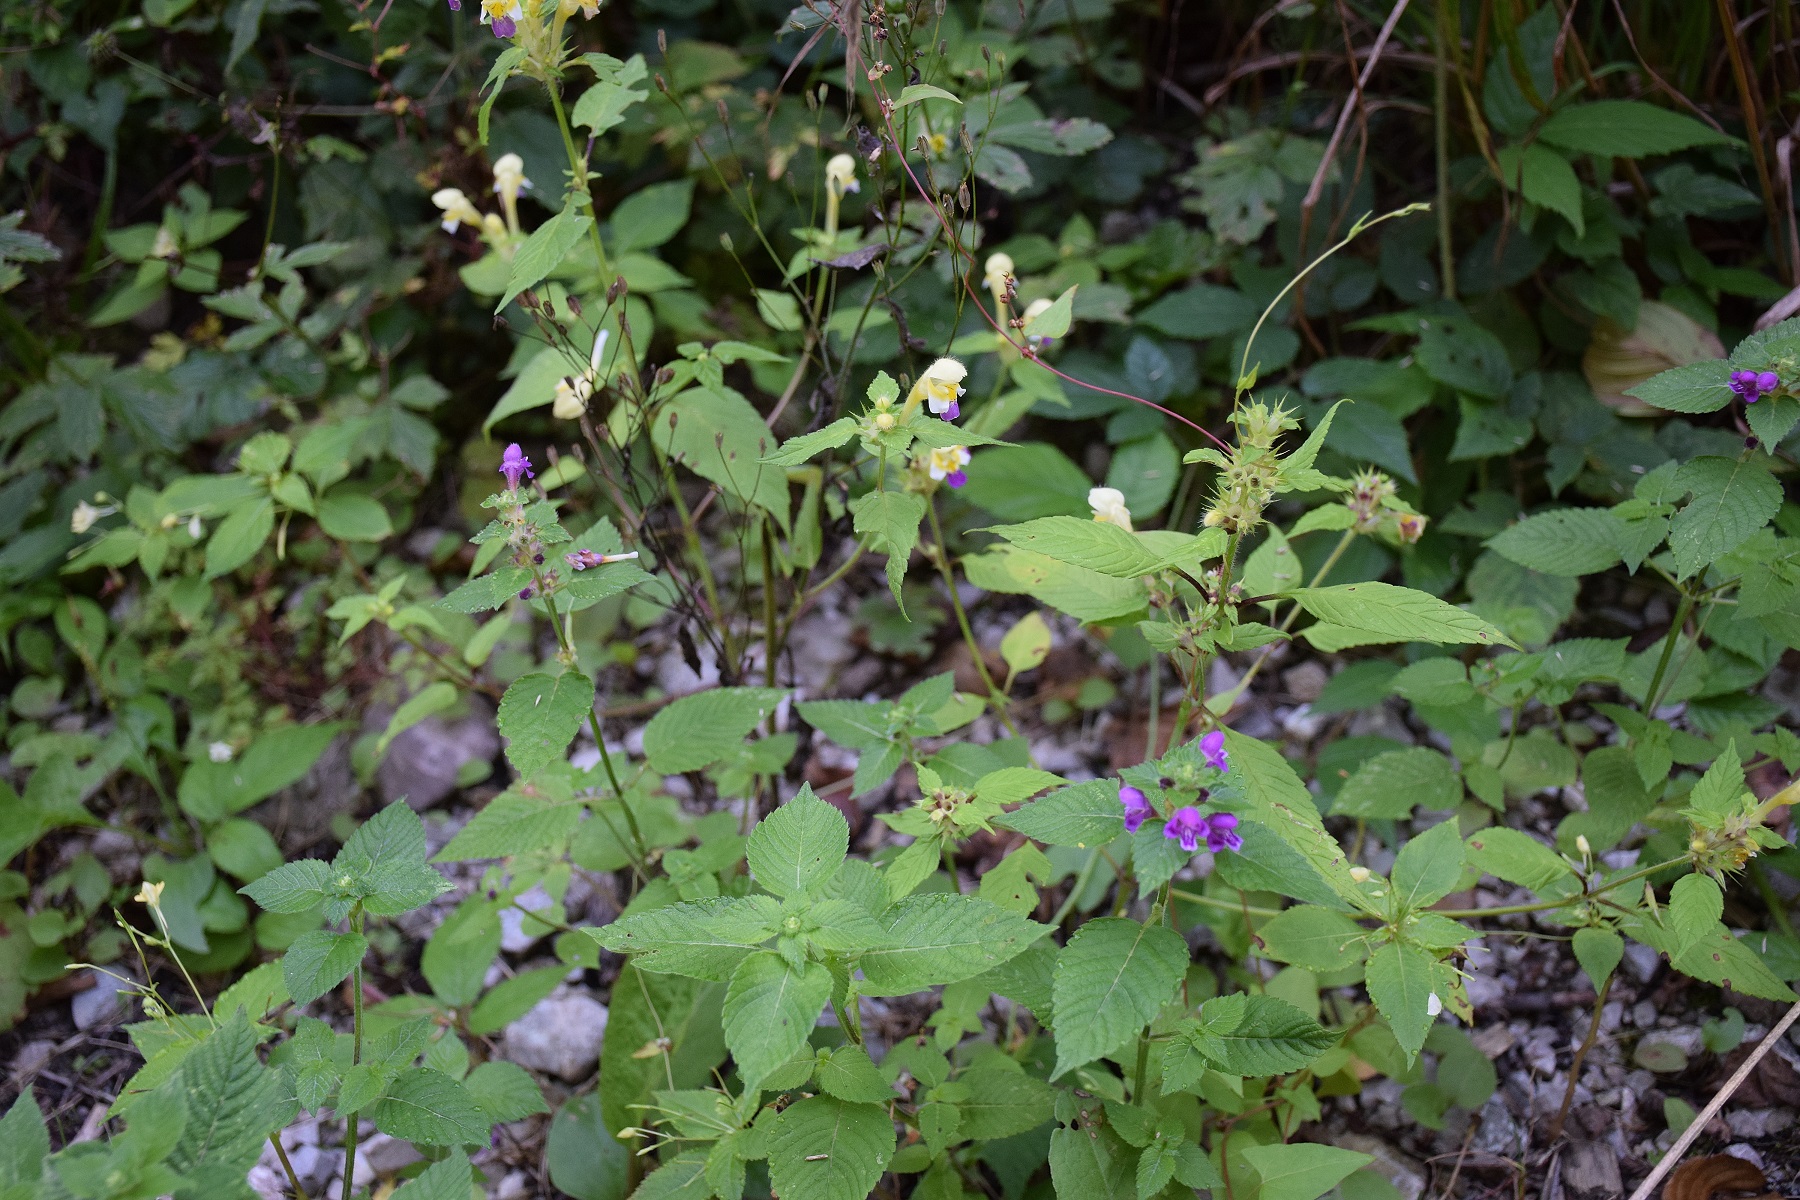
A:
x: 1719, y: 1177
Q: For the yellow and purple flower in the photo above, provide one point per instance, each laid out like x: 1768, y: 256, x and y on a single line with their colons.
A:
x: 946, y: 465
x: 503, y: 15
x: 940, y: 387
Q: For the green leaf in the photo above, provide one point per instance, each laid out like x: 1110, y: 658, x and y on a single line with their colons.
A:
x: 353, y: 518
x: 239, y: 536
x: 1695, y: 906
x: 318, y: 961
x: 1566, y: 541
x: 798, y: 450
x: 24, y: 1144
x: 704, y: 939
x: 848, y: 1074
x: 937, y: 938
x: 1700, y: 387
x: 1086, y: 814
x: 1270, y: 1037
x: 1627, y: 129
x: 1002, y: 1102
x: 233, y: 1103
x: 1202, y: 310
x: 585, y: 1162
x: 699, y: 730
x: 514, y: 823
x: 490, y: 591
x: 385, y: 859
x: 294, y: 887
x: 647, y: 1007
x: 539, y: 714
x: 719, y: 436
x: 1545, y: 178
x: 1427, y: 867
x: 1301, y: 1170
x: 1054, y: 321
x: 544, y: 251
x: 432, y: 1109
x: 891, y: 521
x: 1400, y: 613
x: 1391, y: 785
x: 504, y: 1091
x: 603, y: 105
x: 825, y: 1149
x: 1111, y: 979
x: 797, y: 848
x: 770, y: 1010
x: 1096, y: 545
x: 1401, y: 980
x: 650, y: 216
x: 914, y: 92
x: 1320, y: 939
x: 1733, y: 498
x: 1598, y: 951
x: 1517, y: 858
x: 1092, y: 1164
x: 449, y: 1179
x: 682, y: 1178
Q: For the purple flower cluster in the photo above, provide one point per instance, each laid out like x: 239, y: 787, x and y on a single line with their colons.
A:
x: 1189, y: 826
x: 581, y: 560
x: 1751, y: 386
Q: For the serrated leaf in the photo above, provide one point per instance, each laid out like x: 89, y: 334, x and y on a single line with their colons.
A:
x: 1517, y: 858
x: 1301, y: 1170
x: 24, y: 1144
x: 1427, y: 867
x: 1733, y: 499
x: 801, y: 449
x: 1111, y: 979
x: 799, y: 846
x: 513, y: 823
x: 432, y: 1109
x: 233, y: 1103
x: 292, y: 887
x: 1401, y: 613
x: 1700, y: 387
x: 1599, y: 952
x: 544, y: 251
x: 770, y: 1010
x: 1002, y: 1103
x: 1695, y: 906
x: 1084, y: 815
x: 488, y: 592
x: 704, y: 939
x: 1567, y: 541
x: 825, y: 1149
x: 449, y: 1179
x: 848, y: 1074
x: 1401, y: 979
x: 1627, y: 129
x: 385, y: 860
x: 1319, y: 939
x: 540, y: 714
x: 699, y: 730
x: 1391, y: 785
x: 1095, y: 545
x: 937, y: 939
x: 318, y: 961
x: 891, y: 521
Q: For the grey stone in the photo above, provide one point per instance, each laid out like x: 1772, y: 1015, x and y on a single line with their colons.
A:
x: 103, y: 1004
x: 516, y: 1186
x: 560, y: 1036
x: 1306, y: 681
x: 1641, y: 961
x: 1687, y: 1038
x: 422, y: 763
x: 1590, y: 1171
x: 518, y: 934
x: 388, y: 1155
x: 1753, y: 1123
x: 32, y: 1057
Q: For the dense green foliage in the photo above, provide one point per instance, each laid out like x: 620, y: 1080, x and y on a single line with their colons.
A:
x: 758, y: 302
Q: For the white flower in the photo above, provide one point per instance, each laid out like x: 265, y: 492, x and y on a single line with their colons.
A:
x: 1582, y: 844
x: 195, y: 528
x: 998, y: 270
x: 1434, y: 1006
x: 150, y: 894
x: 1109, y: 506
x: 840, y: 174
x: 84, y: 516
x: 509, y: 170
x: 941, y: 386
x: 574, y: 391
x: 219, y: 752
x: 941, y: 464
x: 164, y: 246
x: 572, y: 395
x: 456, y: 208
x: 1360, y: 874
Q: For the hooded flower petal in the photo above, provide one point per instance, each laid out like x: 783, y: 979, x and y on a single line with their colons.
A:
x: 1186, y: 828
x: 1212, y: 748
x: 1137, y: 807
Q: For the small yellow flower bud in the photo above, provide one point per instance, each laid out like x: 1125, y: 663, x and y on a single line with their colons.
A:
x: 1360, y: 874
x: 884, y: 420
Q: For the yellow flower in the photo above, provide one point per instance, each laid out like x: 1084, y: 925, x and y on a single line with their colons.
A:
x: 948, y: 464
x: 840, y: 174
x: 150, y: 894
x: 84, y: 516
x: 572, y: 395
x: 1109, y: 506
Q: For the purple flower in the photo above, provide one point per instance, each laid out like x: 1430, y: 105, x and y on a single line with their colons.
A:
x: 581, y: 560
x: 1751, y: 386
x: 525, y: 593
x: 950, y: 413
x: 1220, y: 835
x: 513, y: 464
x: 1137, y: 807
x: 455, y: 5
x: 1187, y: 827
x: 504, y: 27
x: 957, y: 478
x: 1212, y: 748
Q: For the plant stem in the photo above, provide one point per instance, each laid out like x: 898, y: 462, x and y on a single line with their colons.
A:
x: 1143, y: 1068
x: 282, y: 1155
x: 1654, y: 692
x: 1155, y: 706
x: 962, y: 619
x: 1287, y: 623
x: 356, y: 1042
x: 578, y: 173
x: 1440, y: 102
x: 1581, y: 1053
